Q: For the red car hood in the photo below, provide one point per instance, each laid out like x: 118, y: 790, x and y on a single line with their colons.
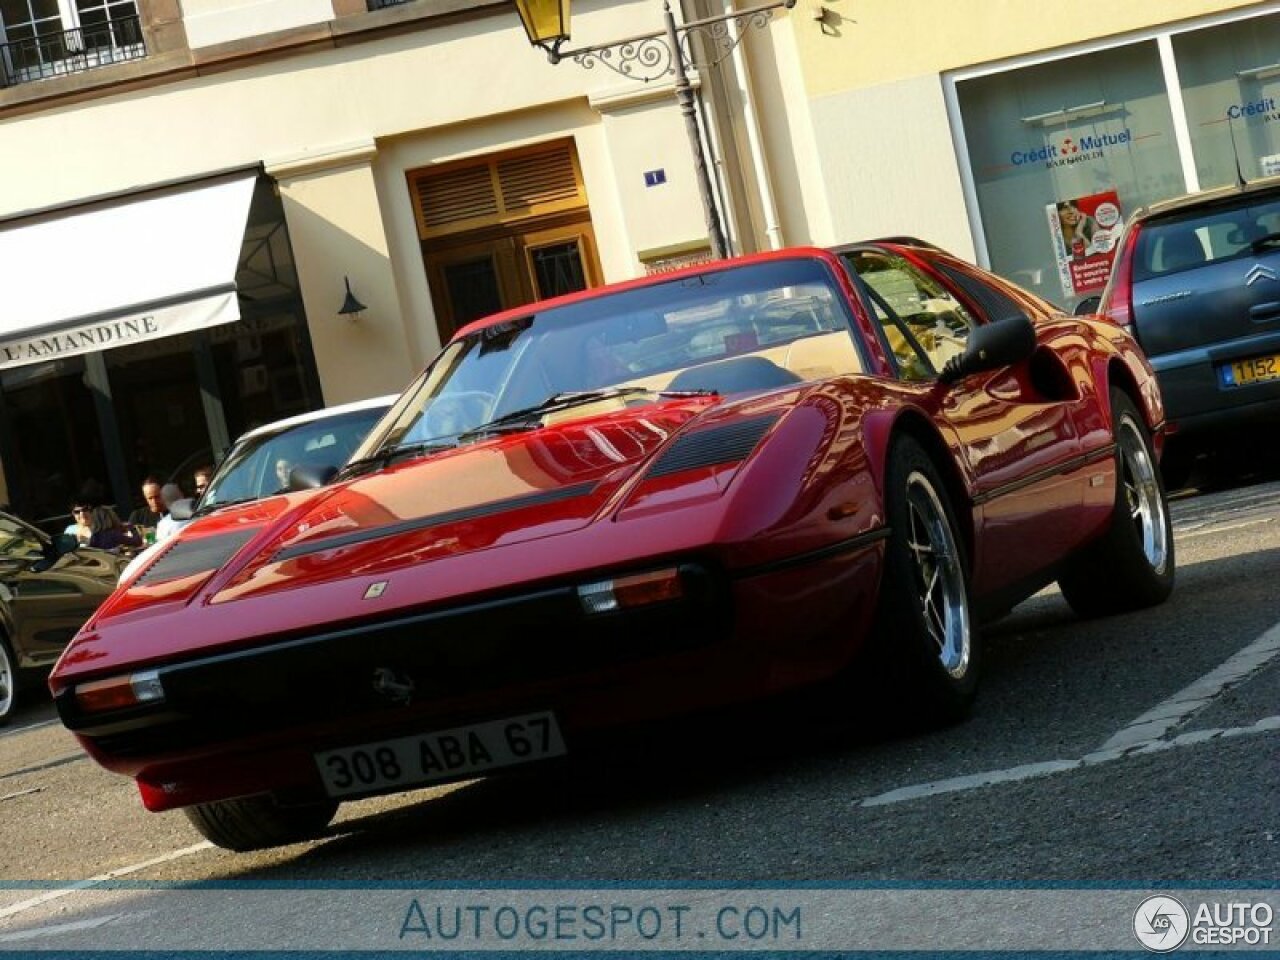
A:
x: 499, y: 492
x: 503, y: 491
x: 464, y: 525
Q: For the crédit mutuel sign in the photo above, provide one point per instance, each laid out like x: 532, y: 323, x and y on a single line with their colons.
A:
x: 1072, y: 150
x: 19, y: 347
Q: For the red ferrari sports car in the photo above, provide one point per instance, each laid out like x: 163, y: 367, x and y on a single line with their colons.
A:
x: 673, y: 493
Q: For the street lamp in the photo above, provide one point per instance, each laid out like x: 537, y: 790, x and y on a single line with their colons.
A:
x: 646, y: 57
x: 546, y: 22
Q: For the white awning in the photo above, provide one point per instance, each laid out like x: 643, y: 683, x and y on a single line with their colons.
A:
x: 123, y: 271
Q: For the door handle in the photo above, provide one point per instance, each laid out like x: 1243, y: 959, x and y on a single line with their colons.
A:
x: 1265, y: 312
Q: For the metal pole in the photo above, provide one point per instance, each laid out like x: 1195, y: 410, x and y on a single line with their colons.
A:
x: 684, y: 94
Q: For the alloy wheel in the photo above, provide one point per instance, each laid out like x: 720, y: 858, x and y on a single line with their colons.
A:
x: 939, y: 576
x: 1142, y: 495
x: 6, y: 681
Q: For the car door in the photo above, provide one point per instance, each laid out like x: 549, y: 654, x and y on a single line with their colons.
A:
x: 44, y: 603
x: 1015, y: 425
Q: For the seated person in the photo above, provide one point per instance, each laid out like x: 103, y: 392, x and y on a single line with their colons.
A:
x: 110, y: 532
x: 283, y: 467
x: 201, y: 478
x: 79, y: 526
x: 170, y: 494
x: 150, y: 513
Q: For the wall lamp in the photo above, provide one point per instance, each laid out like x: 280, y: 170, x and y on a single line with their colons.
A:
x: 1260, y: 73
x: 1067, y: 114
x: 351, y: 307
x: 547, y: 24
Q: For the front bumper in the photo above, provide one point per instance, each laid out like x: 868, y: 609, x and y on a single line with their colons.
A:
x: 251, y: 721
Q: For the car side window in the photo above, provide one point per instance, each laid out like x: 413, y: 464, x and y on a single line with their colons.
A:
x: 923, y: 324
x: 17, y: 543
x: 992, y: 299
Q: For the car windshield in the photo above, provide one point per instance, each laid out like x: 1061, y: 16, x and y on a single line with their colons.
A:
x: 259, y: 465
x: 745, y: 328
x: 1198, y: 237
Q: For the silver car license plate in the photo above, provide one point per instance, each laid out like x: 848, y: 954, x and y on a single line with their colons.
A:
x: 440, y: 755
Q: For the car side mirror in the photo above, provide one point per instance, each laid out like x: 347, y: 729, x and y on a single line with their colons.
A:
x: 992, y: 345
x: 1087, y: 305
x: 308, y: 476
x: 183, y: 509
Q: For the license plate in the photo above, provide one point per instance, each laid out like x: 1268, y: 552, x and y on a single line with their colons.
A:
x: 1254, y: 370
x: 440, y: 755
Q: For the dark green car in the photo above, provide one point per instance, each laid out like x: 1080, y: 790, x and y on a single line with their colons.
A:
x: 48, y: 589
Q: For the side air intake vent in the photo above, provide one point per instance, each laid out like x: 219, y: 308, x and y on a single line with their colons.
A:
x: 707, y: 448
x: 195, y: 556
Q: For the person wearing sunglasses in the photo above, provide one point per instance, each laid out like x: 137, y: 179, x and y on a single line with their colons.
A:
x: 80, y: 527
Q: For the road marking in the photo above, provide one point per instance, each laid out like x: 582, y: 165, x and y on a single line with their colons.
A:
x: 1028, y: 771
x: 1158, y: 721
x: 72, y: 926
x: 30, y: 726
x: 60, y: 892
x: 1208, y: 527
x: 1031, y: 771
x: 47, y: 765
x: 1146, y: 734
x: 21, y: 793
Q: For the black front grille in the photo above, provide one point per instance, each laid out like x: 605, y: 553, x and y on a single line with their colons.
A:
x: 504, y: 643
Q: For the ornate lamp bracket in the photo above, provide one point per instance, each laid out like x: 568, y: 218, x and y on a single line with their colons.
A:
x: 649, y: 56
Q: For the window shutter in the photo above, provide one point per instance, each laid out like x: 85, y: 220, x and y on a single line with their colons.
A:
x: 500, y: 190
x: 532, y: 184
x: 456, y: 200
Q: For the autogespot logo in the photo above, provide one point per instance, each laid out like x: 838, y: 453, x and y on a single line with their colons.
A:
x: 1161, y: 923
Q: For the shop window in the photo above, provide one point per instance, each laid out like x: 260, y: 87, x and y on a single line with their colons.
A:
x: 1230, y: 77
x: 56, y: 437
x: 1060, y: 153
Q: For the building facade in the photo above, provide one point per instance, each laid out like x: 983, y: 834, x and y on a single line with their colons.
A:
x: 190, y: 188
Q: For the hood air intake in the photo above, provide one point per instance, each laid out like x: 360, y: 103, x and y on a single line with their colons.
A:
x: 713, y: 446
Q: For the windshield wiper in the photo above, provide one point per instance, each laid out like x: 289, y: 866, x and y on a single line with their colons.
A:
x: 524, y: 418
x: 386, y: 456
x: 205, y: 508
x: 1264, y: 241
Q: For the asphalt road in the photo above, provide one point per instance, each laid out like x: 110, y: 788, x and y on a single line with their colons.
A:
x: 1136, y: 749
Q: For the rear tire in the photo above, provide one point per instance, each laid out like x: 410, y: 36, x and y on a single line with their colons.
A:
x: 925, y: 640
x: 8, y: 681
x: 1132, y: 565
x: 254, y: 823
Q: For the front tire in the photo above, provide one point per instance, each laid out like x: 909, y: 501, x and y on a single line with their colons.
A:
x: 925, y: 635
x: 1132, y: 565
x: 258, y: 822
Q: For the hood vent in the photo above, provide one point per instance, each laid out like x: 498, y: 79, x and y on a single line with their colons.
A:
x: 708, y: 448
x: 198, y: 555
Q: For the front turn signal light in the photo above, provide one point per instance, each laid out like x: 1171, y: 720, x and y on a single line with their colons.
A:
x: 638, y: 590
x: 115, y: 693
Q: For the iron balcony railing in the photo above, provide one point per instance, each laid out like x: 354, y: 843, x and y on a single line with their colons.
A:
x: 71, y: 51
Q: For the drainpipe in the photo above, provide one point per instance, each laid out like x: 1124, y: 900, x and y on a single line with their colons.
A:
x: 755, y: 145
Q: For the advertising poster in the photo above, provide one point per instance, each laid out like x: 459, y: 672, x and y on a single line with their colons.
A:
x: 1085, y: 231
